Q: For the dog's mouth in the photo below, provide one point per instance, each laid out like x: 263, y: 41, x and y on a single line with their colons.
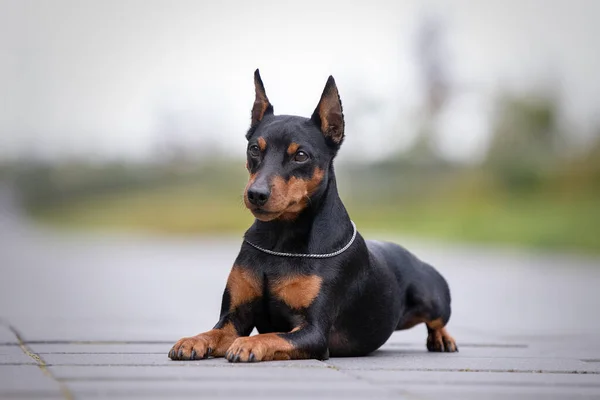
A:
x: 262, y: 211
x: 264, y: 215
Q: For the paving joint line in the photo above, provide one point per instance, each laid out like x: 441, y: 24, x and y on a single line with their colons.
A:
x: 473, y: 370
x: 488, y: 383
x: 346, y: 373
x: 464, y: 356
x: 41, y: 364
x: 96, y: 353
x: 179, y: 379
x: 183, y: 365
x: 464, y: 345
x: 99, y: 342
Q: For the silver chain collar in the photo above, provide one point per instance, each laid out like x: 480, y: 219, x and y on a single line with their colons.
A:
x: 335, y: 253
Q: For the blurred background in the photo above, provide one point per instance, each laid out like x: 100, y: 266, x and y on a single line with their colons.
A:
x: 466, y: 121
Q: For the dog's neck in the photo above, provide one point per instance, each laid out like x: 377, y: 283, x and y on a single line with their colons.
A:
x: 323, y: 227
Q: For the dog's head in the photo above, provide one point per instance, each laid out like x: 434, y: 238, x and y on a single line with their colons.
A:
x: 288, y: 157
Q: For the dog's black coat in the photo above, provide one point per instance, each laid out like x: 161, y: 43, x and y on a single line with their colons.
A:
x: 365, y: 293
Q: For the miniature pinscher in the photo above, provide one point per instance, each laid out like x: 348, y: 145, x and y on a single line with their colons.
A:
x: 304, y: 278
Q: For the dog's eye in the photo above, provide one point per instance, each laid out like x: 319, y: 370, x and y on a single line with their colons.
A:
x: 300, y: 156
x: 254, y: 151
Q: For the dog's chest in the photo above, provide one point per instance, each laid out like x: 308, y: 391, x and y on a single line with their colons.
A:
x: 285, y: 301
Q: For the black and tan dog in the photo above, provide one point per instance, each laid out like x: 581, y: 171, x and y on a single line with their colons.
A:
x: 304, y: 278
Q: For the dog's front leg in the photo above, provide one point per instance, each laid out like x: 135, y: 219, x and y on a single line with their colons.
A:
x: 241, y: 296
x: 310, y: 299
x: 303, y: 343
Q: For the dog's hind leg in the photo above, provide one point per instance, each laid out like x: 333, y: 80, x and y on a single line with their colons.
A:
x: 423, y: 306
x: 438, y: 338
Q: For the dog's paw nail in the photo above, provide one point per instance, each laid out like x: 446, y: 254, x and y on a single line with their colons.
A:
x: 193, y: 356
x: 236, y: 358
x: 251, y: 358
x: 180, y: 353
x: 171, y: 354
x: 208, y: 352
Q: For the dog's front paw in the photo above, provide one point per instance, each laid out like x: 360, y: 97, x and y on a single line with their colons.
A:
x: 263, y: 347
x: 192, y: 348
x: 247, y: 349
x: 212, y: 343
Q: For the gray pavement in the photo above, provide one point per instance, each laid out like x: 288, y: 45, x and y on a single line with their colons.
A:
x: 93, y: 316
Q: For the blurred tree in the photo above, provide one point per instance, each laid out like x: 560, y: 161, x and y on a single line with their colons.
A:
x: 525, y: 141
x: 431, y: 58
x: 581, y: 175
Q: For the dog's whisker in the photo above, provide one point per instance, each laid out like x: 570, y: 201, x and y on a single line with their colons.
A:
x: 309, y: 201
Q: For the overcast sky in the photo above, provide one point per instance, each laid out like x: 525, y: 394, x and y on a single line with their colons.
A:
x: 120, y: 78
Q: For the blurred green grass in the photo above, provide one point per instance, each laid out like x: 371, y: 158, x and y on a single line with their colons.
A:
x: 453, y: 212
x: 171, y: 209
x: 534, y: 188
x: 532, y: 222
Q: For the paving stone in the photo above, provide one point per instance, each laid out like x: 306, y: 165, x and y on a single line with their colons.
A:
x: 104, y: 329
x: 290, y: 395
x: 12, y: 354
x: 198, y: 372
x: 160, y: 359
x: 582, y: 348
x: 221, y: 396
x: 7, y: 336
x: 428, y: 392
x: 32, y: 396
x: 232, y: 388
x: 114, y: 359
x: 417, y: 336
x: 530, y: 329
x: 95, y: 348
x: 26, y: 381
x: 9, y: 349
x: 524, y: 379
x: 386, y: 359
x: 506, y: 350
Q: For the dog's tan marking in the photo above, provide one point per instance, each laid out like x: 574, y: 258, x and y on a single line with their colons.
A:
x: 294, y: 194
x: 435, y: 324
x: 288, y: 198
x: 261, y: 101
x: 331, y: 113
x: 243, y: 287
x: 258, y: 111
x: 297, y: 291
x: 262, y: 143
x: 292, y: 148
x: 439, y: 339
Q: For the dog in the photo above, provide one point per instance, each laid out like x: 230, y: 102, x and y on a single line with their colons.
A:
x: 304, y: 277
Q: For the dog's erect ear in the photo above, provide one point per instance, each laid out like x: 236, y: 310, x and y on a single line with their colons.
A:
x: 329, y: 115
x: 261, y: 106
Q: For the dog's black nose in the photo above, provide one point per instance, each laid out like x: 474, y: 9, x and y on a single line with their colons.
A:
x: 259, y: 195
